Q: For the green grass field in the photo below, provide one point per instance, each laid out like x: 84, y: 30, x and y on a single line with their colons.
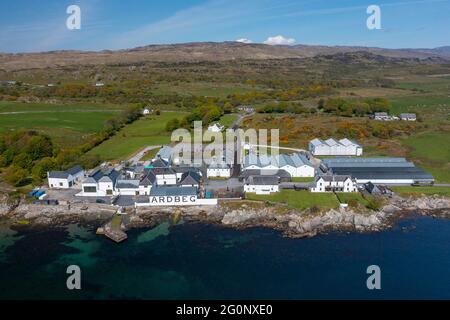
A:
x: 66, y: 124
x: 227, y: 120
x: 432, y: 153
x: 408, y: 190
x: 302, y: 179
x: 418, y: 103
x: 299, y: 199
x: 147, y: 131
x: 345, y: 197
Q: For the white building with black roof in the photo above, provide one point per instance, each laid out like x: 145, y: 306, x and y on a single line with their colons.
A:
x: 100, y: 183
x: 127, y: 187
x: 190, y: 179
x: 65, y: 179
x: 334, y: 183
x: 261, y: 184
x: 165, y: 176
x: 218, y: 169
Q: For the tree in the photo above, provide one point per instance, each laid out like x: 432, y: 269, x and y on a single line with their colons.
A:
x: 15, y: 175
x: 39, y: 147
x: 23, y: 160
x: 40, y: 169
x: 172, y: 124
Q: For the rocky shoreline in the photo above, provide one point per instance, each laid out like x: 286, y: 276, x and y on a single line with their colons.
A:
x: 236, y: 214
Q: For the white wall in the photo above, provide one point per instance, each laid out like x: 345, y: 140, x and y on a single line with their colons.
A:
x: 258, y: 189
x: 103, y: 187
x: 59, y: 183
x: 169, y: 179
x: 218, y: 172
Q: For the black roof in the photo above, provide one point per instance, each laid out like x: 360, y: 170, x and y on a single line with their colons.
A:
x: 149, y: 179
x: 58, y: 174
x: 262, y: 180
x: 159, y: 163
x: 165, y: 170
x: 256, y: 172
x: 190, y: 178
x: 378, y: 173
x: 74, y: 170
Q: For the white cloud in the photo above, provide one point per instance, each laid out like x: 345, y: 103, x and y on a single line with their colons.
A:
x: 244, y: 40
x: 279, y: 40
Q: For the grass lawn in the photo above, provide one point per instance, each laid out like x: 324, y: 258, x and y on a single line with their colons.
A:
x: 302, y: 179
x: 409, y: 190
x: 227, y: 120
x: 150, y: 154
x: 418, y: 103
x: 432, y: 152
x: 299, y: 199
x: 68, y: 125
x: 148, y: 131
x: 345, y: 197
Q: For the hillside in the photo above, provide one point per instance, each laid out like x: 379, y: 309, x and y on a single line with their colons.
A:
x: 201, y: 51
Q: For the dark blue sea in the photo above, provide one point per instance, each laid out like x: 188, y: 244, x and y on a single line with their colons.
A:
x: 202, y: 261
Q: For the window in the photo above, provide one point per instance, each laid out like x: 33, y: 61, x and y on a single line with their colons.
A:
x: 109, y: 192
x: 89, y: 189
x: 60, y: 184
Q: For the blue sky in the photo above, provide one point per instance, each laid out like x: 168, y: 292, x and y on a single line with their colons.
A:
x: 27, y: 25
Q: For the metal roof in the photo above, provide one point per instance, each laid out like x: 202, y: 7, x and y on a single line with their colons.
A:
x: 127, y: 184
x: 262, y: 180
x: 74, y: 170
x: 173, y: 191
x: 384, y: 173
x: 279, y: 161
x: 58, y: 175
x: 256, y: 172
x: 165, y: 152
x: 190, y: 178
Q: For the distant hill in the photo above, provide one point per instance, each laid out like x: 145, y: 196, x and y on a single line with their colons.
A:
x: 202, y: 51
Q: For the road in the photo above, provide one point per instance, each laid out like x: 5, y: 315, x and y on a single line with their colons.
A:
x: 135, y: 158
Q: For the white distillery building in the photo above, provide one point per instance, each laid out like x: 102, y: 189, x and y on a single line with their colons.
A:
x: 261, y: 184
x: 100, y: 183
x: 165, y: 176
x: 218, y: 170
x: 334, y: 183
x: 332, y: 147
x: 297, y: 164
x: 65, y: 179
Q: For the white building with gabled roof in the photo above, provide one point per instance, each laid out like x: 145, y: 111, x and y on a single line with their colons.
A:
x: 333, y: 147
x: 334, y: 183
x: 297, y: 164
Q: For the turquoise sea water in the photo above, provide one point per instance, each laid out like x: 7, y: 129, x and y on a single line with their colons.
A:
x: 201, y: 261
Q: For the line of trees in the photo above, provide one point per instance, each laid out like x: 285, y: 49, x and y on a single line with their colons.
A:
x: 354, y: 107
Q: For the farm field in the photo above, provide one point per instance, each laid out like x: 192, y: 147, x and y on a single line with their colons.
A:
x: 299, y: 199
x: 147, y: 131
x: 227, y: 120
x: 66, y: 125
x: 432, y: 153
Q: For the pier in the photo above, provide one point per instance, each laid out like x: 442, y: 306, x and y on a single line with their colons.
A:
x: 113, y: 229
